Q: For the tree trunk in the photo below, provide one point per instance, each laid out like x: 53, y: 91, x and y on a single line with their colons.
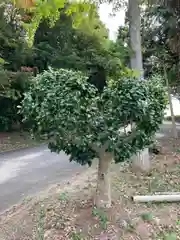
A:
x: 103, y: 192
x: 174, y: 130
x: 135, y: 37
x: 140, y: 161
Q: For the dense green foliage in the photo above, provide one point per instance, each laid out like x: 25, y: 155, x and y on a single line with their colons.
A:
x: 13, y: 46
x: 13, y: 83
x: 60, y: 46
x: 160, y: 41
x: 75, y: 118
x: 12, y: 87
x: 63, y: 46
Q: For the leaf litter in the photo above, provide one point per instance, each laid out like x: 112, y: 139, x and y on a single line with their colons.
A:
x: 66, y: 211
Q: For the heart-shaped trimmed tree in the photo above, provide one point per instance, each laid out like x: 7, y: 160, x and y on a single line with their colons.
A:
x: 75, y: 118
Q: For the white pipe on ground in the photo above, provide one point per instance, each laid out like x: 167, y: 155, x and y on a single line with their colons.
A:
x: 167, y: 193
x: 157, y: 198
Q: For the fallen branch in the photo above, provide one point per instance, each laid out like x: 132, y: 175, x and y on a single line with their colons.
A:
x: 157, y: 198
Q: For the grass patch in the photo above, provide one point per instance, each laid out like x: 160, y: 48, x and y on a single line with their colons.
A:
x: 76, y: 236
x: 148, y: 217
x: 102, y: 216
x: 63, y: 197
x: 170, y: 236
x: 41, y: 229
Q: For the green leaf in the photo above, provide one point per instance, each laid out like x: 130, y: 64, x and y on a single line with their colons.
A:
x: 170, y: 236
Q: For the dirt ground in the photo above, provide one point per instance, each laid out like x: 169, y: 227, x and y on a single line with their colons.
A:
x: 66, y: 211
x: 10, y: 141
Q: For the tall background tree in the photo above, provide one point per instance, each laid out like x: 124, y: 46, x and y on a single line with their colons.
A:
x: 141, y: 160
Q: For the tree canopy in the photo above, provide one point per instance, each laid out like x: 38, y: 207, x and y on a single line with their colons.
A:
x: 68, y: 47
x: 85, y: 47
x: 70, y: 113
x: 49, y: 10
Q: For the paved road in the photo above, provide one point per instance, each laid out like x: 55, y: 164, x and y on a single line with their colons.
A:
x: 28, y: 171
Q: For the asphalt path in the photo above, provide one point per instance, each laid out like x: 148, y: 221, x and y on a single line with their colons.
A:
x: 27, y: 171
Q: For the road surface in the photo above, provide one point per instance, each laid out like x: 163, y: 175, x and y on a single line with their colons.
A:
x: 25, y: 172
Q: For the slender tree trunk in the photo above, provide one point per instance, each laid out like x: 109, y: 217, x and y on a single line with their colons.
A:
x: 142, y: 160
x: 174, y: 130
x: 135, y: 36
x: 103, y: 193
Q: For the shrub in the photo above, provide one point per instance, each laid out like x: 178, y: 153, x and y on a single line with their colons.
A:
x: 13, y: 85
x: 63, y: 107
